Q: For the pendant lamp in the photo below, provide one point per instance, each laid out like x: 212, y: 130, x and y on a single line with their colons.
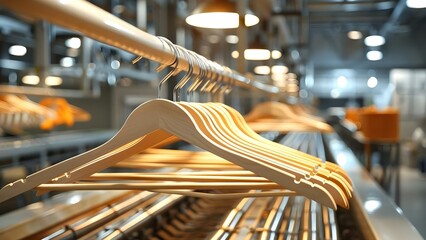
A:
x: 257, y: 50
x: 219, y: 14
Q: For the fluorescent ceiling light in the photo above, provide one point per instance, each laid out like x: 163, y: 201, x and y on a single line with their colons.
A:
x: 416, y: 3
x: 53, y: 81
x: 232, y: 39
x: 115, y: 64
x: 342, y: 81
x: 67, y: 62
x: 219, y: 14
x: 372, y: 82
x: 354, y: 35
x: 275, y: 54
x: 17, y: 50
x: 257, y: 50
x: 279, y: 69
x: 335, y: 93
x: 262, y: 70
x: 257, y: 54
x: 374, y: 55
x: 31, y: 79
x: 74, y: 43
x: 374, y: 41
x: 235, y: 54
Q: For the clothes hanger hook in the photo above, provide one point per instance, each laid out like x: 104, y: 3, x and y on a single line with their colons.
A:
x: 174, y: 64
x: 206, y: 78
x: 177, y: 89
x: 199, y: 78
x: 228, y: 84
x: 212, y: 81
x: 220, y: 83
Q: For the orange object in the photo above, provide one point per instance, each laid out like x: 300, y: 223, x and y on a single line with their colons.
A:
x: 65, y: 113
x: 380, y: 125
x: 353, y: 115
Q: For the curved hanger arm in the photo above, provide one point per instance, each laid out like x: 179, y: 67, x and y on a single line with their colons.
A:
x: 171, y: 118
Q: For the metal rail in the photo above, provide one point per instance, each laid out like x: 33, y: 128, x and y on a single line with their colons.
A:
x: 98, y: 24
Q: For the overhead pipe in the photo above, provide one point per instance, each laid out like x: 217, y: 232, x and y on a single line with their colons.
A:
x: 395, y: 17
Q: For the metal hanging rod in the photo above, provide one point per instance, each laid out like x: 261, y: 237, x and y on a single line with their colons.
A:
x: 100, y: 25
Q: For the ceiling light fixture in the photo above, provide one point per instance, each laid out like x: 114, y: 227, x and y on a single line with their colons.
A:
x: 257, y: 51
x: 374, y: 55
x: 73, y: 42
x: 372, y: 82
x: 53, y: 81
x: 17, y: 50
x: 262, y: 70
x: 67, y: 62
x: 219, y: 14
x: 374, y: 41
x: 335, y: 93
x: 416, y: 3
x: 279, y: 69
x: 31, y: 79
x: 235, y: 54
x: 115, y: 64
x: 257, y: 54
x: 342, y: 81
x: 232, y: 39
x: 275, y: 54
x: 354, y: 35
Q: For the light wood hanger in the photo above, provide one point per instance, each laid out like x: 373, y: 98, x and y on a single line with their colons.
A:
x: 198, y: 125
x: 209, y: 132
x: 258, y: 147
x: 21, y: 112
x: 244, y: 127
x: 303, y: 110
x: 164, y: 116
x: 279, y: 110
x: 167, y: 157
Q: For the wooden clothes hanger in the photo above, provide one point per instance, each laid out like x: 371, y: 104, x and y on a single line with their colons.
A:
x: 305, y: 111
x: 237, y: 118
x: 173, y: 118
x: 298, y: 165
x: 22, y: 111
x: 228, y: 126
x: 277, y: 110
x: 198, y: 126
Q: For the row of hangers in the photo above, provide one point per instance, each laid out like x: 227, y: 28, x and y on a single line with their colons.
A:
x: 220, y: 130
x: 18, y: 112
x: 282, y: 117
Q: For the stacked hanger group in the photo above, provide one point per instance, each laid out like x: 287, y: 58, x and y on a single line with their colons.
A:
x: 19, y: 112
x: 256, y: 163
x: 284, y: 118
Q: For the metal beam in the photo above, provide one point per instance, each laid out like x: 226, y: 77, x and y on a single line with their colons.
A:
x: 352, y: 6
